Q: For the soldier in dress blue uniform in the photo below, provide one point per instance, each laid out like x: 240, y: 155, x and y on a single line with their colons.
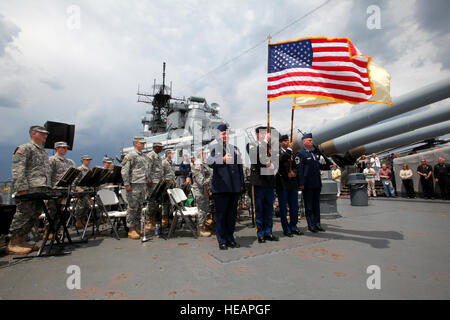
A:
x: 262, y: 177
x: 287, y: 188
x: 227, y: 185
x: 310, y: 182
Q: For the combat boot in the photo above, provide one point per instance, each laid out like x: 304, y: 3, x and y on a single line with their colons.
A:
x: 133, y: 234
x: 16, y: 246
x: 23, y: 240
x: 202, y: 232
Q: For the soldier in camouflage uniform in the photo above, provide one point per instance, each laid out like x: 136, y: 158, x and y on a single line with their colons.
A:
x: 168, y: 174
x: 58, y: 166
x: 136, y: 179
x: 156, y: 172
x: 31, y: 173
x: 201, y: 188
x: 83, y: 203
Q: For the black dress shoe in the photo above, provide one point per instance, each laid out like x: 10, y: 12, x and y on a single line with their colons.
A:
x: 233, y: 244
x: 319, y: 228
x: 223, y: 246
x: 288, y: 234
x: 271, y: 238
x: 313, y: 229
x: 297, y: 232
x: 261, y: 240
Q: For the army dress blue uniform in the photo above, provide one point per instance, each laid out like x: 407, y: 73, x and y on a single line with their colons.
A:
x: 263, y: 184
x: 287, y: 191
x: 308, y: 173
x: 226, y: 186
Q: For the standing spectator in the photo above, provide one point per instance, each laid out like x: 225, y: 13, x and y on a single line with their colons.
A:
x: 375, y: 163
x: 441, y: 174
x: 369, y: 173
x: 336, y: 177
x: 390, y: 161
x: 406, y: 176
x: 425, y: 171
x: 385, y: 175
x: 362, y: 163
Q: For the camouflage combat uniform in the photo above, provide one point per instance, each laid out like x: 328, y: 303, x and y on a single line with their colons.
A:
x: 168, y: 174
x: 156, y: 172
x: 83, y: 205
x: 31, y: 172
x: 58, y: 166
x: 201, y: 187
x: 135, y: 173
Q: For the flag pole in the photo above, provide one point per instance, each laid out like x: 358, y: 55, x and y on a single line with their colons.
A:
x: 292, y: 133
x: 268, y: 101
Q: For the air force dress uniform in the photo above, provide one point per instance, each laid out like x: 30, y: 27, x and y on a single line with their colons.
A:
x: 226, y: 185
x: 308, y: 173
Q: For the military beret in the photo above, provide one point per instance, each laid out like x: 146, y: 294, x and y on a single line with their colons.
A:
x: 284, y: 137
x: 39, y: 129
x: 222, y: 127
x: 106, y: 159
x: 307, y: 136
x: 86, y: 157
x: 61, y: 144
x: 139, y: 139
x: 157, y: 144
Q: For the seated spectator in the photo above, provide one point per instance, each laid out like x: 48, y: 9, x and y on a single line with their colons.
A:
x: 406, y: 175
x: 370, y: 173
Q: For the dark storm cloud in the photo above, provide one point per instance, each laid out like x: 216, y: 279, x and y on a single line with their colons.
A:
x: 8, y: 31
x: 434, y: 16
x: 8, y: 102
x: 53, y: 84
x: 368, y: 40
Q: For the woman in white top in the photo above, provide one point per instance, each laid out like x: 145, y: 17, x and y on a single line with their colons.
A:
x: 406, y: 176
x: 375, y: 163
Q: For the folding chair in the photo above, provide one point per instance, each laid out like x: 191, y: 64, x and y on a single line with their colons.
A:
x: 109, y: 198
x: 177, y: 198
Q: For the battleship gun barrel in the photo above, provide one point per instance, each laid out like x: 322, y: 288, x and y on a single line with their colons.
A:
x: 428, y: 94
x: 407, y: 138
x: 384, y: 130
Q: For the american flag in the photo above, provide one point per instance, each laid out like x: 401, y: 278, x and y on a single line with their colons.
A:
x: 319, y: 67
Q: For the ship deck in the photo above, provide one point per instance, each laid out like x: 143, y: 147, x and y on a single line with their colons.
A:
x: 407, y: 240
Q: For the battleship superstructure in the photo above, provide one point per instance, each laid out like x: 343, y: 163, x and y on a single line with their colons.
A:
x: 182, y: 124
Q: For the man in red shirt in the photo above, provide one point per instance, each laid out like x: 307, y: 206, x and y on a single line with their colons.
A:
x: 385, y: 176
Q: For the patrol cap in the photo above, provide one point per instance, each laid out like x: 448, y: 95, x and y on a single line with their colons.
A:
x: 307, y: 136
x: 169, y: 151
x: 86, y: 157
x: 106, y: 159
x: 222, y: 127
x: 139, y: 139
x: 157, y: 144
x: 61, y: 144
x: 284, y: 137
x: 39, y: 129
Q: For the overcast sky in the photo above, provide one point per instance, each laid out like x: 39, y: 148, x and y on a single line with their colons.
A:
x: 56, y: 67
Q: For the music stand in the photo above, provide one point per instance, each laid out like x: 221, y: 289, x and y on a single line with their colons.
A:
x: 98, y: 177
x: 55, y: 195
